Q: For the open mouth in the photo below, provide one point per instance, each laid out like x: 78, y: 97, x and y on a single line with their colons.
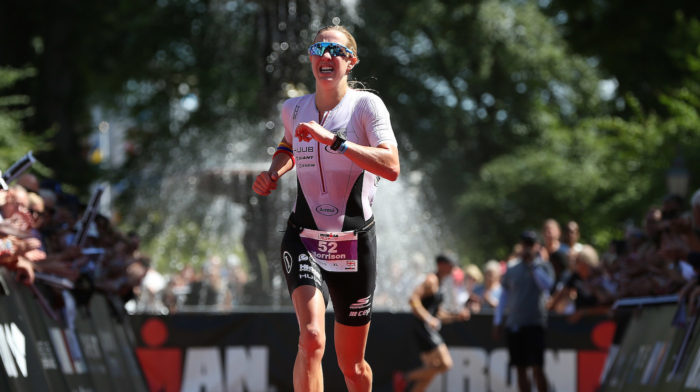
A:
x: 326, y: 70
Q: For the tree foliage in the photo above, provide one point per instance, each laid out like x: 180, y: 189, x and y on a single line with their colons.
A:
x: 14, y: 108
x: 513, y: 110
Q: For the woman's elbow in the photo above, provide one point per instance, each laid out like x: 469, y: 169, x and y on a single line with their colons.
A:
x: 392, y: 172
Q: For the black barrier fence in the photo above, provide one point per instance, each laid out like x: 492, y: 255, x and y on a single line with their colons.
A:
x: 94, y: 347
x: 255, y: 351
x: 660, y: 350
x: 72, y: 348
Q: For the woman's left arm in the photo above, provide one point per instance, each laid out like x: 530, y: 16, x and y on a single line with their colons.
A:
x: 382, y: 160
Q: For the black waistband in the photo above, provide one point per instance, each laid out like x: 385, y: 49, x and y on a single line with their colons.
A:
x: 367, y: 226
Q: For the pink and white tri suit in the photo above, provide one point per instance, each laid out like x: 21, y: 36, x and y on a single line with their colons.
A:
x: 330, y: 241
x: 335, y: 194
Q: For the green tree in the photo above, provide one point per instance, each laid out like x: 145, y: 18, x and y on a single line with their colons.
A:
x: 642, y: 44
x: 470, y: 83
x: 604, y: 172
x: 14, y: 142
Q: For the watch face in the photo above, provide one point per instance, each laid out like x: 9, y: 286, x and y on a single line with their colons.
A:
x: 340, y: 137
x: 341, y: 133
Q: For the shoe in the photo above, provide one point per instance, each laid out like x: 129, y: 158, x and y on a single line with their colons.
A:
x: 399, y: 381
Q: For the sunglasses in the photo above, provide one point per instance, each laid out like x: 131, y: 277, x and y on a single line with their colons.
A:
x: 334, y: 49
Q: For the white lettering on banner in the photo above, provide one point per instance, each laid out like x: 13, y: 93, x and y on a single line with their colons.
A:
x: 559, y: 366
x: 6, y: 356
x: 500, y: 379
x: 469, y: 372
x: 75, y: 351
x: 246, y: 369
x: 59, y: 345
x: 46, y: 355
x: 90, y: 345
x: 13, y: 350
x: 17, y: 342
x: 202, y: 370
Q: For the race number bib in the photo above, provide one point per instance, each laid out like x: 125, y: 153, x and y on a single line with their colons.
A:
x: 334, y: 252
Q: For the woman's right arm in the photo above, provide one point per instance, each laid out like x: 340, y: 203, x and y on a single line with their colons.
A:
x: 428, y: 287
x: 266, y: 181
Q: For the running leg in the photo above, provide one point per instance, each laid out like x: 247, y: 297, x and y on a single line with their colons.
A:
x: 435, y: 362
x: 310, y: 309
x: 350, y: 345
x: 540, y: 378
x: 523, y: 380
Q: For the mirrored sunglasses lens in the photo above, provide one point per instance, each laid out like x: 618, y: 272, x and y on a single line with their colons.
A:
x: 316, y: 49
x: 336, y: 50
x: 319, y: 48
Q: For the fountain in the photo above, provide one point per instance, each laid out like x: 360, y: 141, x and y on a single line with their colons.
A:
x: 199, y: 203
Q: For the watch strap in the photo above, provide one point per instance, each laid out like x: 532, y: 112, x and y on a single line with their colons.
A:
x: 337, y: 142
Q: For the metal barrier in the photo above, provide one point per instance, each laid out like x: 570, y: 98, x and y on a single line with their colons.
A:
x: 83, y: 348
x: 660, y: 350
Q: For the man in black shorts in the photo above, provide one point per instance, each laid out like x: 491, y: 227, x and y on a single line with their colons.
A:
x: 526, y: 287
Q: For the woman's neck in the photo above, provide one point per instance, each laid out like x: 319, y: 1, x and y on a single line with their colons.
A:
x: 327, y: 99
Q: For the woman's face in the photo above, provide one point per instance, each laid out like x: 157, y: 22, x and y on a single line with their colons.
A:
x: 328, y: 70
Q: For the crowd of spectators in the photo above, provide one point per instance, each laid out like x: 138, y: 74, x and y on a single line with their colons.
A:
x: 39, y: 229
x: 662, y: 257
x: 39, y: 225
x: 217, y: 286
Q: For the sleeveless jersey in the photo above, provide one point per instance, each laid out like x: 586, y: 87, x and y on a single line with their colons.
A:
x: 333, y: 193
x: 432, y: 303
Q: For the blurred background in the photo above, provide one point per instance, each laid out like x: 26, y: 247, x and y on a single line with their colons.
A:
x: 507, y: 112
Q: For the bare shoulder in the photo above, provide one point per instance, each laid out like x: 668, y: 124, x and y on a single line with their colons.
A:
x: 431, y: 283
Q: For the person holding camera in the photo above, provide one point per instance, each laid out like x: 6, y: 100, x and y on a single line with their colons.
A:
x: 342, y: 142
x: 525, y: 291
x: 588, y: 285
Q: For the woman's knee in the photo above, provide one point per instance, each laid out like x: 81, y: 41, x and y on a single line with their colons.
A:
x: 354, y: 369
x: 312, y: 341
x: 442, y: 361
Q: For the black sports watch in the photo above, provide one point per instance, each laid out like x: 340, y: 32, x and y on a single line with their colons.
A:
x: 338, y: 141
